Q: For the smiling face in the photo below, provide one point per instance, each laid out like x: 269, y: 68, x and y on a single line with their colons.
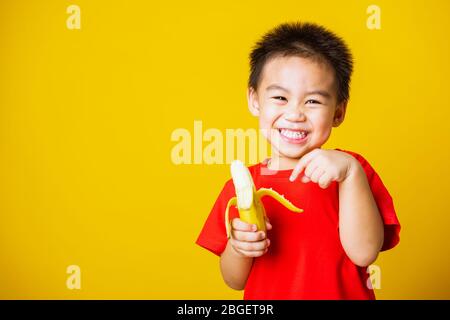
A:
x: 296, y: 102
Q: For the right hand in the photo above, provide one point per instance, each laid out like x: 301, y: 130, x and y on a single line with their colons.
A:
x: 248, y: 242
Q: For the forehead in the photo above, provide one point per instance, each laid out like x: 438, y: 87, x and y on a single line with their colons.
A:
x: 298, y: 74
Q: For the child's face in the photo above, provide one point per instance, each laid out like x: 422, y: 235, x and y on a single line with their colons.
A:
x: 296, y: 103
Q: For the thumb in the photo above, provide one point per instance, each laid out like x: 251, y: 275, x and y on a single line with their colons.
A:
x: 268, y: 224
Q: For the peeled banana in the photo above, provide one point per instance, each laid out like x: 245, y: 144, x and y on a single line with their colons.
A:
x: 248, y: 199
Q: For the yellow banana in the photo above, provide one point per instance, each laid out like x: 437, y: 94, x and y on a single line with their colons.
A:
x: 248, y: 199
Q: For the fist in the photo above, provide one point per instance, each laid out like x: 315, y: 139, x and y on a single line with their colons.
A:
x: 247, y: 241
x: 324, y: 166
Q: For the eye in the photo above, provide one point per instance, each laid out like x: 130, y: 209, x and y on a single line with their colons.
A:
x: 312, y: 101
x: 280, y: 98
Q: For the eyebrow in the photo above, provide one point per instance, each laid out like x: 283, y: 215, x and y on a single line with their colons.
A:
x: 322, y: 93
x: 319, y: 92
x: 276, y: 87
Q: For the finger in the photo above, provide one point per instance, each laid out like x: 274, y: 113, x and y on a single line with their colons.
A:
x: 248, y: 236
x: 251, y: 246
x: 310, y: 168
x: 315, y: 176
x: 240, y: 225
x: 268, y: 225
x: 247, y: 250
x: 325, y: 181
x: 252, y: 254
x: 305, y: 179
x: 301, y: 165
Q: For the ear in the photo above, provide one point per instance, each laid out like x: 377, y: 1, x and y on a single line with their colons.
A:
x: 253, y: 104
x: 339, y: 114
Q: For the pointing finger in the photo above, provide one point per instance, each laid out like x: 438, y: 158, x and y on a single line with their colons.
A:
x: 301, y: 165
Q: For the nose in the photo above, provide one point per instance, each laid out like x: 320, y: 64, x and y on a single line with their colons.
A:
x: 295, y: 114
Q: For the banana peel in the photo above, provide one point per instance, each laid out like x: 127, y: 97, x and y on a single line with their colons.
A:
x: 248, y: 199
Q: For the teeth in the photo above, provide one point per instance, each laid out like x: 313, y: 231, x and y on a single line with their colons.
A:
x: 293, y: 134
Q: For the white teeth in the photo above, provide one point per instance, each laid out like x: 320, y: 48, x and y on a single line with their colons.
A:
x: 293, y: 134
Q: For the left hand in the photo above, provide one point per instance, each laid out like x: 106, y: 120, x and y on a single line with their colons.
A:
x: 324, y: 166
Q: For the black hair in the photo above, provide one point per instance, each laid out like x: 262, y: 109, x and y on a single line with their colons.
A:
x: 306, y: 40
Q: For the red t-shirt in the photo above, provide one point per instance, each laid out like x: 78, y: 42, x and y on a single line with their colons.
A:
x: 305, y: 259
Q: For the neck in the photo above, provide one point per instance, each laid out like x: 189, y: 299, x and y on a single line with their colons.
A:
x: 278, y: 162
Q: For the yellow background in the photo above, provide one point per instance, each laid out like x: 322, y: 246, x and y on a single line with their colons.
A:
x: 86, y: 117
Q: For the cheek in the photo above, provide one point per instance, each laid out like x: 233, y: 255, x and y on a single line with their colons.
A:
x: 322, y: 123
x: 269, y: 114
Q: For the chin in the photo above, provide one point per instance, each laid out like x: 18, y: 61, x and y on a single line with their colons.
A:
x: 293, y: 153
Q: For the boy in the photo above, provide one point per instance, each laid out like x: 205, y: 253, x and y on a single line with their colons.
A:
x: 299, y: 88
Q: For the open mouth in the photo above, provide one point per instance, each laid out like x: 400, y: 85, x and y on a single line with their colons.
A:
x: 293, y: 136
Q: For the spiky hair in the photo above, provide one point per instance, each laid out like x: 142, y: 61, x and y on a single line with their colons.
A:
x: 305, y: 40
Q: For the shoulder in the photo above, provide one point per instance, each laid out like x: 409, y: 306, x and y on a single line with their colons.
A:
x: 363, y: 161
x: 355, y: 155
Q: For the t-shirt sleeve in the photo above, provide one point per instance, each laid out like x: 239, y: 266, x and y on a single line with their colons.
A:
x: 213, y: 235
x: 385, y: 206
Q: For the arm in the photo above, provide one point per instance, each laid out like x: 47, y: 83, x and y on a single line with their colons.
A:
x: 360, y: 224
x: 235, y: 267
x: 245, y: 244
